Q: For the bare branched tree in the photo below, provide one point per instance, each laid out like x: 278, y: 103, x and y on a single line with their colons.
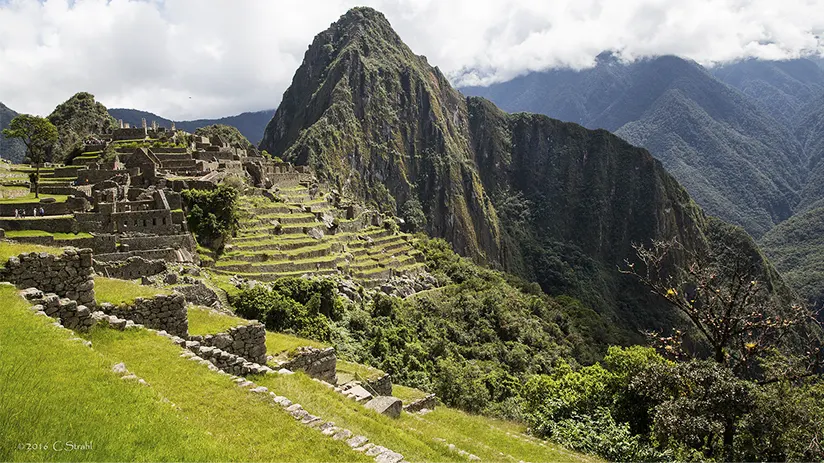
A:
x: 722, y: 293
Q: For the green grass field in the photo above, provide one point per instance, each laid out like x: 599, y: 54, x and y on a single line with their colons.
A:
x: 203, y: 321
x: 39, y: 233
x: 123, y: 291
x: 8, y: 249
x: 29, y: 198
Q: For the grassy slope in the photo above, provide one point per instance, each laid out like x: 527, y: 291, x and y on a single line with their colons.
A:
x: 122, y: 291
x: 57, y: 390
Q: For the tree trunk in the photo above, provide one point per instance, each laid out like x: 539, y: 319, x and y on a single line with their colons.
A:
x: 729, y: 435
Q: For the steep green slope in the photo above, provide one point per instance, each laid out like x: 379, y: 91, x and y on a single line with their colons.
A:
x: 796, y: 247
x: 550, y: 201
x: 12, y: 150
x: 382, y: 125
x: 733, y: 158
x: 77, y: 118
x: 250, y: 124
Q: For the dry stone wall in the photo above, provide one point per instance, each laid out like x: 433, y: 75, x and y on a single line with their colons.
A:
x: 71, y: 315
x: 382, y: 385
x: 68, y: 275
x: 162, y: 312
x: 317, y: 363
x: 247, y: 341
x: 429, y: 402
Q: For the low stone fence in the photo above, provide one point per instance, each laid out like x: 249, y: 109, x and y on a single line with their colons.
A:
x: 68, y: 275
x: 382, y: 385
x: 429, y: 402
x: 130, y: 269
x: 71, y: 315
x: 247, y: 341
x: 317, y: 363
x: 225, y: 361
x: 162, y: 312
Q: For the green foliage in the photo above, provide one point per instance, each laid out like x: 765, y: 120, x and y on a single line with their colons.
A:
x: 212, y: 214
x: 229, y: 134
x: 292, y: 305
x: 39, y: 135
x: 413, y: 216
x: 77, y: 118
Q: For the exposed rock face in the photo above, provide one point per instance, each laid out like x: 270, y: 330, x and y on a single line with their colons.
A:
x: 10, y: 149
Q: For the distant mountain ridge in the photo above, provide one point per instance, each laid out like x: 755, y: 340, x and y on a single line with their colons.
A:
x: 13, y: 150
x: 250, y: 124
x: 735, y: 159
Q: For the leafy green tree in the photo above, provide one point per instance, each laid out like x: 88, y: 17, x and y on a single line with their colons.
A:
x: 212, y: 214
x: 413, y: 216
x: 39, y: 135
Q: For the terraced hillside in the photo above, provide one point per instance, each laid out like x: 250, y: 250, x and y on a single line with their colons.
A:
x: 298, y: 231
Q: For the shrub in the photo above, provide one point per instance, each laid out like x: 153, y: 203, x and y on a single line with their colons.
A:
x: 212, y: 214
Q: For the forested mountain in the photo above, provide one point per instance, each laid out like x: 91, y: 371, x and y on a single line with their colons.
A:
x: 549, y: 200
x: 13, y: 150
x: 782, y: 88
x: 732, y: 156
x: 250, y: 124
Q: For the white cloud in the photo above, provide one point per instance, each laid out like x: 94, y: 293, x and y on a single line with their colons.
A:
x: 210, y: 58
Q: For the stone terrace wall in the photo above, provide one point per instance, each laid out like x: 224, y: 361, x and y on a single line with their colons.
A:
x: 317, y: 363
x: 247, y: 341
x: 71, y: 315
x: 131, y: 268
x: 382, y: 385
x: 68, y: 275
x: 167, y: 313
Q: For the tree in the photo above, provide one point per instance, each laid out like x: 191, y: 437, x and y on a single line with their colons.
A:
x: 723, y: 293
x: 39, y: 135
x: 731, y: 296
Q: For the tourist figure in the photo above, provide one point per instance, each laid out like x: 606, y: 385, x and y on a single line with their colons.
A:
x: 34, y: 212
x: 42, y: 212
x: 16, y: 213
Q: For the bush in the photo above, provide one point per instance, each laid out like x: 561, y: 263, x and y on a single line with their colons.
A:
x: 212, y: 214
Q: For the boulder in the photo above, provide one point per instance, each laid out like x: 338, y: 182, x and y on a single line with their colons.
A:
x: 386, y: 405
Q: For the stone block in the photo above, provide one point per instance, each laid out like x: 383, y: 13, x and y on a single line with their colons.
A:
x: 386, y: 405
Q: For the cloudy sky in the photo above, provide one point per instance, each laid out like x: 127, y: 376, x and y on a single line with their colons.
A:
x: 186, y: 59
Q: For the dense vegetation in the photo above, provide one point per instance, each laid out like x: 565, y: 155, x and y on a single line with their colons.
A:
x: 76, y: 119
x: 213, y: 214
x: 473, y: 341
x: 229, y: 134
x: 490, y: 343
x: 250, y: 124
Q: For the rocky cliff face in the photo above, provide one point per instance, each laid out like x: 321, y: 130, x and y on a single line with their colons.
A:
x: 552, y: 201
